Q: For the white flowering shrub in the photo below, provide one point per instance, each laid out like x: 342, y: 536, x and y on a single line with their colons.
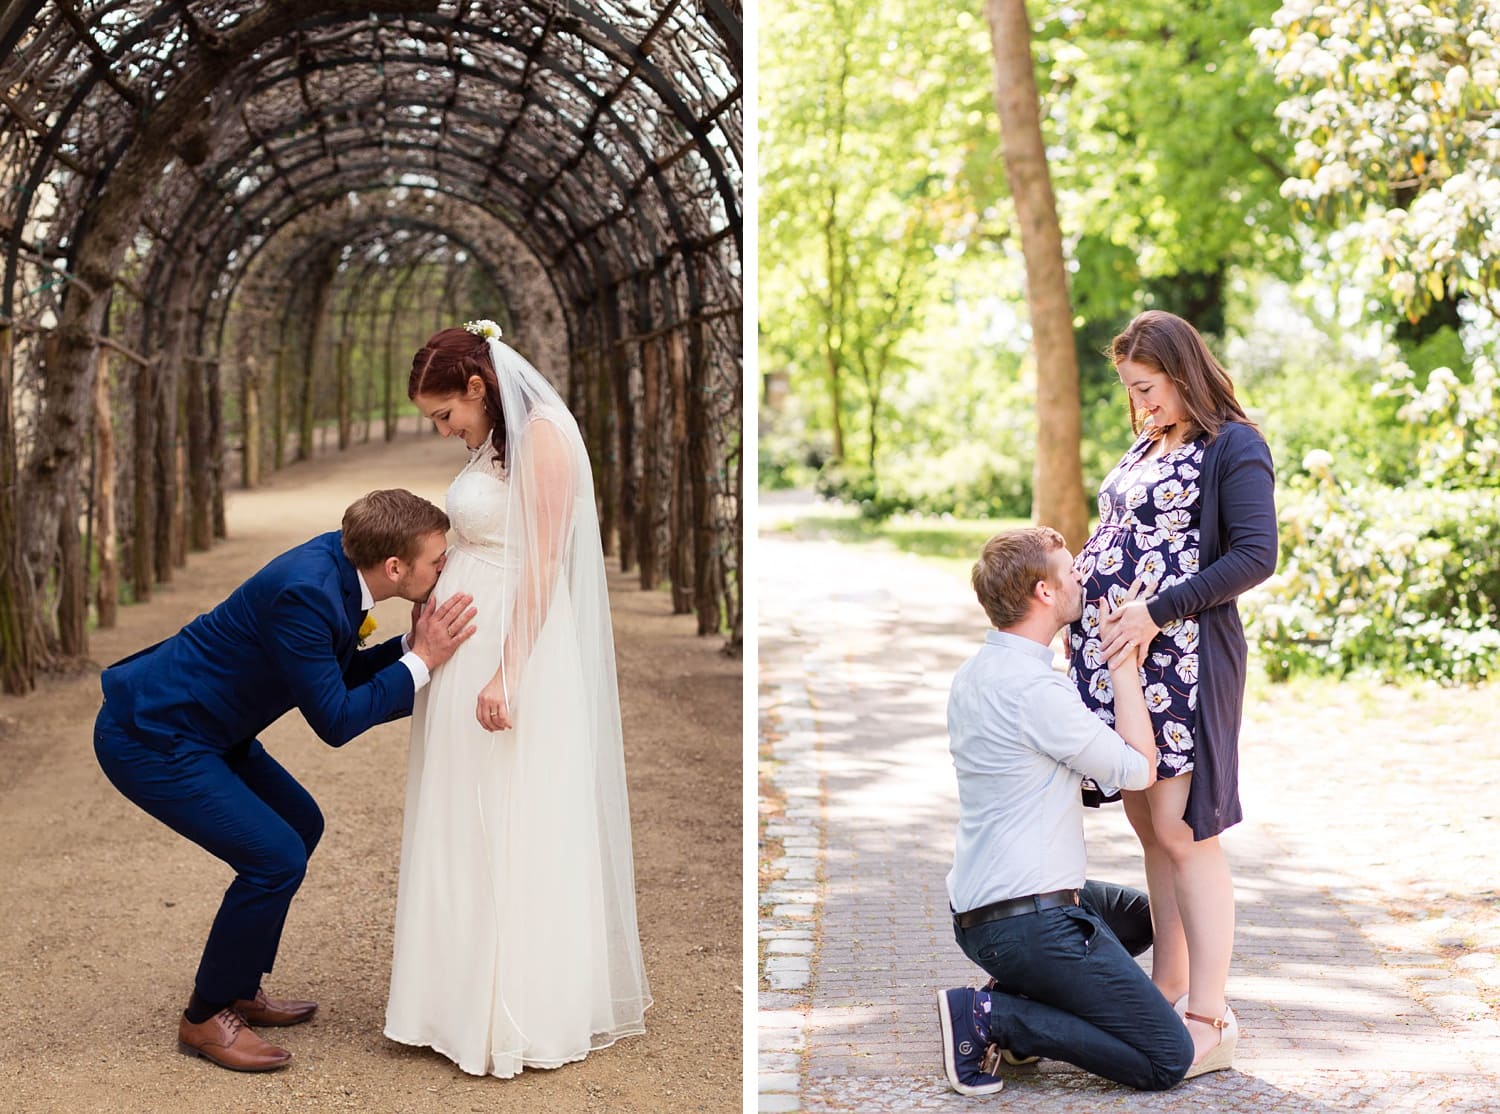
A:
x: 1392, y: 107
x: 1457, y: 423
x: 1397, y: 583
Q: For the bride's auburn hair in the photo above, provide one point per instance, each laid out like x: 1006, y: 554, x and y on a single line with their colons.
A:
x: 443, y: 367
x: 1168, y: 344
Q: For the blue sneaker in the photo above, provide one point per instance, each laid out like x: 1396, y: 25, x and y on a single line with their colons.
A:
x: 969, y: 1057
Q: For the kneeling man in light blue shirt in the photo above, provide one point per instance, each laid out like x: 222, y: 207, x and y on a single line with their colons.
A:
x: 1058, y: 948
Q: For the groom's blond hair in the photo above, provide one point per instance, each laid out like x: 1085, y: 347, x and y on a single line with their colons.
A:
x: 389, y: 523
x: 1009, y: 566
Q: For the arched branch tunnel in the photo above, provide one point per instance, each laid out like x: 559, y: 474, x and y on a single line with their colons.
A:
x: 225, y: 226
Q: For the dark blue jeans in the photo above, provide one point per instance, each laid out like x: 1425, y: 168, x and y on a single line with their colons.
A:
x: 1069, y: 990
x: 240, y: 806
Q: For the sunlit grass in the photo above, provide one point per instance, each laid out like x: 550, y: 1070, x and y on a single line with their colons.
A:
x: 951, y: 543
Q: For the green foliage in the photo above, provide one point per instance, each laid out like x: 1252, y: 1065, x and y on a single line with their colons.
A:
x: 1314, y: 386
x: 1167, y: 162
x: 1397, y: 583
x: 884, y: 211
x: 867, y: 148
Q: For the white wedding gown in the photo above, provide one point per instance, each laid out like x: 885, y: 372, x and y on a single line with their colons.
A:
x: 516, y: 940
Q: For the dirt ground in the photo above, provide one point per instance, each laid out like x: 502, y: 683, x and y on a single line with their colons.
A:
x: 105, y: 910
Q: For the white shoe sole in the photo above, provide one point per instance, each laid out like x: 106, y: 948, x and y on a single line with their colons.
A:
x: 946, y: 1019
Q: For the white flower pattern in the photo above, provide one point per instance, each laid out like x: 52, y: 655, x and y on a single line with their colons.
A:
x: 1187, y: 668
x: 1148, y: 528
x: 1177, y: 736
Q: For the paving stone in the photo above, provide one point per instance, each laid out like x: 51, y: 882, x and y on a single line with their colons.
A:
x: 777, y: 1081
x: 802, y: 947
x: 776, y: 1062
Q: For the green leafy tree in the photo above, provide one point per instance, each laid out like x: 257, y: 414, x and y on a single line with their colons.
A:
x: 866, y: 153
x: 1166, y: 157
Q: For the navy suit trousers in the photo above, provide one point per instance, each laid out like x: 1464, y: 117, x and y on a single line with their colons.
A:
x: 240, y: 806
x: 1069, y: 990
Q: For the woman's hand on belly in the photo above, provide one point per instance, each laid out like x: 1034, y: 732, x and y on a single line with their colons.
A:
x: 1130, y: 622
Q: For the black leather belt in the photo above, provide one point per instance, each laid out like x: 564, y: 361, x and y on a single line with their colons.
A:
x: 1014, y: 907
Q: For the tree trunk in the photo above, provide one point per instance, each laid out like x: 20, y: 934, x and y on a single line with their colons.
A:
x: 1057, y: 497
x: 701, y: 466
x: 392, y: 365
x: 617, y: 366
x: 680, y: 560
x: 322, y: 282
x: 199, y: 449
x: 143, y: 507
x: 216, y: 449
x: 341, y: 357
x: 250, y: 420
x: 52, y: 480
x: 179, y: 502
x: 645, y: 541
x: 278, y: 398
x: 736, y: 602
x: 607, y: 478
x: 167, y: 398
x: 833, y: 343
x: 17, y: 647
x: 835, y: 254
x: 107, y: 599
x: 72, y: 585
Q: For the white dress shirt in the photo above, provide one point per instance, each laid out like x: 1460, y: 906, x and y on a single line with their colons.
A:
x: 1022, y: 743
x: 420, y: 674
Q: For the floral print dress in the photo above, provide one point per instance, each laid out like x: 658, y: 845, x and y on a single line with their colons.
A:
x: 1148, y: 528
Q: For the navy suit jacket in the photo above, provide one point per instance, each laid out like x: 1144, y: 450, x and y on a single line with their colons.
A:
x: 286, y: 638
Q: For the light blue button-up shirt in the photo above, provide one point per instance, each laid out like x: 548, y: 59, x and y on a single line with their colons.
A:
x: 1022, y: 743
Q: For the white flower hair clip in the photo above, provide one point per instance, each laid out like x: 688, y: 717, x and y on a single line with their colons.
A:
x: 483, y: 328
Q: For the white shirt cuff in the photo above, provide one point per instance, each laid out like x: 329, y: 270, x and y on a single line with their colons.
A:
x: 419, y: 673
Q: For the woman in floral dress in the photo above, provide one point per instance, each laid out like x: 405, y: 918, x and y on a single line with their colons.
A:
x: 1187, y: 522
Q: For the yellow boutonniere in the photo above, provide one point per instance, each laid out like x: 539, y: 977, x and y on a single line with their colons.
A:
x: 367, y: 628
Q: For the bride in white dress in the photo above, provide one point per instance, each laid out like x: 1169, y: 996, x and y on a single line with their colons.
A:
x: 516, y: 943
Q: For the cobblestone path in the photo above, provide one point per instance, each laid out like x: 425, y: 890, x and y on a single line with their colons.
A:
x: 1367, y: 964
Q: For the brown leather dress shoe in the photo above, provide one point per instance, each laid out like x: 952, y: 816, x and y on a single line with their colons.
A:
x: 261, y: 1010
x: 226, y: 1040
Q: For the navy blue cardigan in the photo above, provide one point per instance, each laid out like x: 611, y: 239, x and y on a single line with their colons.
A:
x: 1237, y: 549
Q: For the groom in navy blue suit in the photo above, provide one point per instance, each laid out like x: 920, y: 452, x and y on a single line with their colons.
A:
x: 177, y: 734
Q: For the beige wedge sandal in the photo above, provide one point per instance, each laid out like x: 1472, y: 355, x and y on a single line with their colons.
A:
x: 1221, y: 1056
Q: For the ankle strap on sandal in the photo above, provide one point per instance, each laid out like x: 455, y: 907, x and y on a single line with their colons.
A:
x: 1216, y: 1022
